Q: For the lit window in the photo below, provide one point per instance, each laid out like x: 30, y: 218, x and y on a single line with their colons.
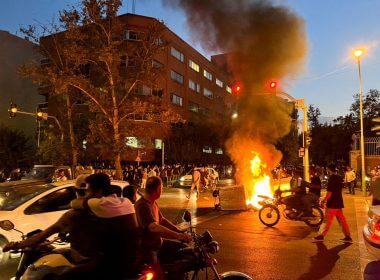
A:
x: 207, y: 74
x: 207, y: 93
x: 176, y: 77
x: 193, y: 65
x: 194, y: 107
x: 133, y: 142
x: 176, y: 99
x: 130, y: 35
x: 194, y: 86
x: 158, y: 144
x: 219, y: 82
x: 219, y: 151
x: 207, y: 150
x: 177, y: 54
x: 228, y: 89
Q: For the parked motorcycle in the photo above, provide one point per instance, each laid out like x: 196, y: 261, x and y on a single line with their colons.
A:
x: 41, y: 261
x: 198, y: 257
x: 269, y: 214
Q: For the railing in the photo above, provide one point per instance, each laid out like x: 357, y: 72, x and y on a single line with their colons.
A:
x: 371, y: 146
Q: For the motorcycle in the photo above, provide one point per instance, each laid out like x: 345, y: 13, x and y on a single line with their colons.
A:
x: 42, y: 261
x: 198, y: 258
x: 269, y: 214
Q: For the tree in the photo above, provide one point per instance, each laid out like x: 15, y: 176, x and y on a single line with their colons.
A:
x: 313, y: 114
x: 92, y: 60
x: 15, y: 149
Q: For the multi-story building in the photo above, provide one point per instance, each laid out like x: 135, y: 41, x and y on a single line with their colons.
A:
x: 194, y: 86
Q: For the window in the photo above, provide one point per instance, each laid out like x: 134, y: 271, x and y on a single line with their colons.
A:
x: 228, y: 89
x: 131, y: 35
x: 176, y: 76
x: 133, y: 142
x: 194, y: 107
x: 55, y: 201
x: 207, y: 93
x: 157, y: 64
x: 219, y: 151
x: 194, y: 86
x: 207, y: 74
x: 193, y: 65
x: 158, y: 144
x: 143, y: 90
x: 177, y: 54
x: 207, y: 150
x: 219, y: 82
x: 44, y: 61
x: 176, y: 99
x: 127, y: 61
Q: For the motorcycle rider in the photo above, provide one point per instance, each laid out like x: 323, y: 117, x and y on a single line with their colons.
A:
x: 105, y: 237
x: 79, y: 226
x: 159, y: 234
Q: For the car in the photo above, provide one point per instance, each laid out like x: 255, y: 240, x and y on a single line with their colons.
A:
x: 39, y: 174
x: 371, y: 231
x: 187, y: 179
x: 37, y: 207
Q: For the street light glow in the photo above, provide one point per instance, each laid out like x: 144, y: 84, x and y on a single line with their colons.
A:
x: 14, y: 110
x: 234, y: 115
x: 358, y: 53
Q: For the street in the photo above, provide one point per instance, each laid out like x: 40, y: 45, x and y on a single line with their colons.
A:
x: 286, y: 251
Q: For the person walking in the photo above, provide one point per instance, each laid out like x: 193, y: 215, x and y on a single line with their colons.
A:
x: 144, y: 178
x: 334, y: 206
x: 349, y: 180
x: 196, y: 183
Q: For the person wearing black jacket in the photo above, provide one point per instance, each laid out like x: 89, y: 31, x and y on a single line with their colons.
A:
x: 334, y: 206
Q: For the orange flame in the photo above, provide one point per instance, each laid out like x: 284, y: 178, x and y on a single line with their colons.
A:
x: 260, y: 182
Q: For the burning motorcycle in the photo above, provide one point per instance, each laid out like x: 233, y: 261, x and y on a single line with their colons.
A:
x: 41, y: 261
x: 198, y: 258
x: 269, y: 214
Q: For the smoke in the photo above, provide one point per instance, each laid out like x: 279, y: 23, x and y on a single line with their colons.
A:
x: 265, y: 42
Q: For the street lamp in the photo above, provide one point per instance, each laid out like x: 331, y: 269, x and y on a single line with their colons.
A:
x: 358, y: 53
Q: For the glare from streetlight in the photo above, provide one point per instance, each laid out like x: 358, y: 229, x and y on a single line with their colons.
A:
x: 358, y: 53
x: 234, y: 115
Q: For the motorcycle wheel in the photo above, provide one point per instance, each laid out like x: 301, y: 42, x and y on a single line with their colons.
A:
x: 317, y: 220
x: 269, y: 215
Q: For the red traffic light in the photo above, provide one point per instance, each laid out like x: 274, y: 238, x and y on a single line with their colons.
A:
x: 272, y: 84
x: 237, y: 88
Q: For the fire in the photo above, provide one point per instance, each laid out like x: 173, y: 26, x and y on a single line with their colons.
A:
x: 260, y: 182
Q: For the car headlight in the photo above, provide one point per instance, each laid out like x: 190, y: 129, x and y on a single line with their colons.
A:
x: 182, y: 179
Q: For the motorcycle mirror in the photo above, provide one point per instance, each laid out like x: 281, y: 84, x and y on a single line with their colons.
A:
x: 7, y: 225
x: 187, y: 216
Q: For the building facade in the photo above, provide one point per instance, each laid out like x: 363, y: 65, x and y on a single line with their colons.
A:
x: 196, y: 88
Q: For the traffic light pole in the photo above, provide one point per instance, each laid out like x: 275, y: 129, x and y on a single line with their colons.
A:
x: 306, y: 172
x: 47, y: 116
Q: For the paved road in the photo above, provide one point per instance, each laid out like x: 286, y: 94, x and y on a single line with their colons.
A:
x: 283, y: 252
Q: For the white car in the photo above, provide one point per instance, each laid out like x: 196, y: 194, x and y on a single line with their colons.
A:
x: 36, y: 207
x: 371, y: 231
x: 187, y: 179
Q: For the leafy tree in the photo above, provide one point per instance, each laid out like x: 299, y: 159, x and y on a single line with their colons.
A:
x: 15, y: 149
x: 313, y: 114
x: 91, y: 60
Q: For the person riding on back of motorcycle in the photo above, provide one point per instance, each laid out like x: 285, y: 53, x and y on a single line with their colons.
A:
x: 117, y: 228
x: 79, y: 226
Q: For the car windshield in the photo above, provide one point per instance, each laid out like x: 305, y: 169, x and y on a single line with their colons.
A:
x: 40, y: 173
x: 12, y: 197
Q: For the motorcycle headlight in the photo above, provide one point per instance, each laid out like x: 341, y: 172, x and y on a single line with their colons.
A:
x: 212, y: 247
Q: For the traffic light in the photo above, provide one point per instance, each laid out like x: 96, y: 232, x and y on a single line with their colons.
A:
x: 273, y: 85
x: 12, y: 110
x: 39, y: 115
x: 307, y: 138
x: 237, y: 88
x: 377, y: 126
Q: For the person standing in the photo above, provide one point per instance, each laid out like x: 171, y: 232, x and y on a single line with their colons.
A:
x: 334, y: 206
x: 196, y: 183
x: 349, y: 180
x: 144, y: 178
